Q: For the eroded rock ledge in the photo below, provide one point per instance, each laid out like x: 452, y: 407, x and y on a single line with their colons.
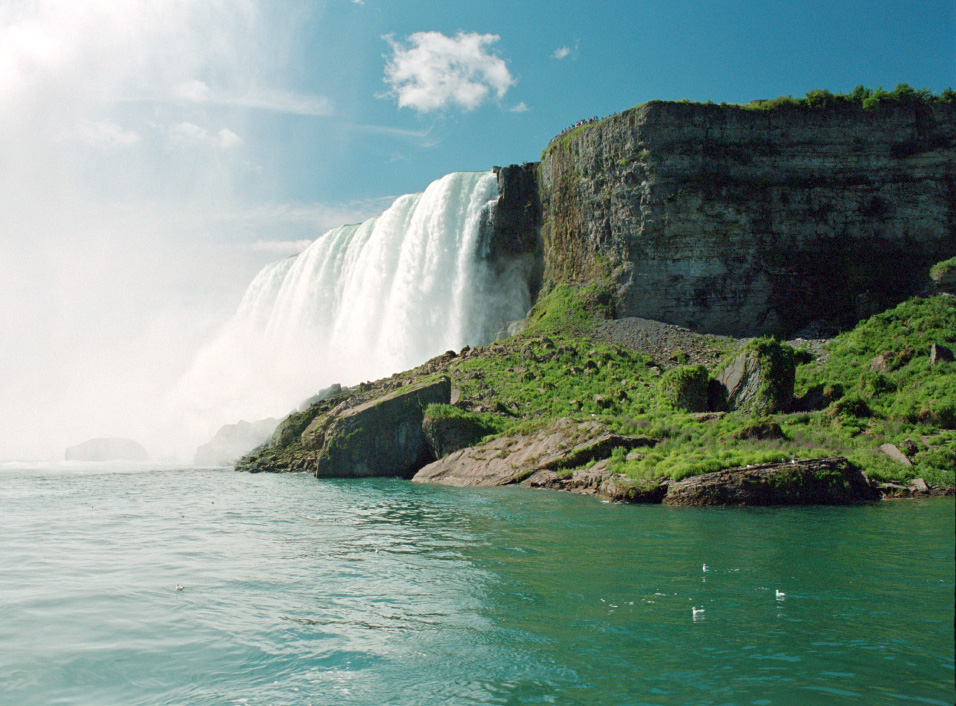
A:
x: 555, y: 457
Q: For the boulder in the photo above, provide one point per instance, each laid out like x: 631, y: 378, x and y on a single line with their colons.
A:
x: 822, y: 481
x: 817, y: 397
x: 894, y: 453
x: 380, y: 437
x: 233, y: 441
x: 939, y: 354
x: 687, y: 388
x: 760, y: 379
x: 510, y: 459
x: 943, y: 276
x: 111, y: 449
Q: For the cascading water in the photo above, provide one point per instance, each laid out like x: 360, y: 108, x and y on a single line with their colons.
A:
x: 363, y: 301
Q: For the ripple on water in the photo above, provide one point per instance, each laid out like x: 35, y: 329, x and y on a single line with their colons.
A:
x: 384, y: 592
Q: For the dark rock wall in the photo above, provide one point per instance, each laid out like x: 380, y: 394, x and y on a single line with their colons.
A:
x: 734, y: 221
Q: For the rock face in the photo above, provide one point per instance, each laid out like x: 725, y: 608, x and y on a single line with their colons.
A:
x: 113, y: 449
x: 446, y: 434
x: 233, y: 441
x: 825, y: 481
x: 367, y: 431
x: 513, y: 242
x: 735, y: 221
x: 511, y: 459
x: 382, y: 437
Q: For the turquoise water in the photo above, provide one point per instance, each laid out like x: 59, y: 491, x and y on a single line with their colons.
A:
x: 297, y: 591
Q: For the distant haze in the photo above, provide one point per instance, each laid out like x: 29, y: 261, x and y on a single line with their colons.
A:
x: 154, y: 156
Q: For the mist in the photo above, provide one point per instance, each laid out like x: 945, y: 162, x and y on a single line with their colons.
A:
x: 135, y: 206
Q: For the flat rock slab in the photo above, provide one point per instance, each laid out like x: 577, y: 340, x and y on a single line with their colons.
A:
x: 510, y: 459
x: 600, y: 481
x: 894, y: 453
x: 821, y: 481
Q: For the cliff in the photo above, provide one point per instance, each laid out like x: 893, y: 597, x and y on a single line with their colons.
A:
x: 737, y: 221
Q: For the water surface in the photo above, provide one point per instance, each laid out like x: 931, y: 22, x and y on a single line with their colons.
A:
x: 297, y: 591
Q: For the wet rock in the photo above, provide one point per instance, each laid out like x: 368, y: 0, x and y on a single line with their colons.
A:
x: 825, y: 481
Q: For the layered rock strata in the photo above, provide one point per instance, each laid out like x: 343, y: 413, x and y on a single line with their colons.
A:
x: 736, y: 221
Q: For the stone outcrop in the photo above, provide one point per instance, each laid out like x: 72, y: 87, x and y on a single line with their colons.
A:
x: 914, y: 488
x: 891, y: 451
x: 510, y: 459
x: 233, y: 441
x: 371, y: 430
x: 687, y: 388
x: 601, y: 482
x: 940, y: 354
x: 759, y: 379
x: 447, y: 434
x: 824, y: 481
x: 111, y: 449
x: 735, y: 221
x: 943, y: 277
x: 381, y: 437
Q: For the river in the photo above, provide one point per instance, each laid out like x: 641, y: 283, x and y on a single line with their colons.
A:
x: 161, y: 586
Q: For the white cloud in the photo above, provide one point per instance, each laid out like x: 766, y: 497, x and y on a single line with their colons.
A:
x: 434, y: 71
x: 106, y: 133
x: 190, y: 134
x: 522, y: 107
x: 273, y: 100
x: 561, y: 53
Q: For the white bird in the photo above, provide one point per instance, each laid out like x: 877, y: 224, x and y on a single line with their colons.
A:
x: 697, y: 612
x: 780, y: 595
x: 705, y: 568
x: 179, y: 587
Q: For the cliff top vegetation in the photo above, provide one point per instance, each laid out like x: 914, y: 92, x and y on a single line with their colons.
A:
x: 816, y: 99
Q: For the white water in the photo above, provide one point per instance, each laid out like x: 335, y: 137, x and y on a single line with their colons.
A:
x: 362, y: 302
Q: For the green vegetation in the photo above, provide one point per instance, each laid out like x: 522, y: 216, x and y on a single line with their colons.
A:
x: 861, y: 96
x: 872, y: 385
x: 816, y: 99
x: 943, y: 268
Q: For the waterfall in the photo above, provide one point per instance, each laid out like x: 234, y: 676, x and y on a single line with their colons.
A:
x: 362, y: 302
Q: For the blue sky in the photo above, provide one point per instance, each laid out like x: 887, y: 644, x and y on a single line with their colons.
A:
x: 155, y: 154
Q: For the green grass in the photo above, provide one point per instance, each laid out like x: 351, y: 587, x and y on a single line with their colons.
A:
x: 554, y: 370
x: 942, y: 268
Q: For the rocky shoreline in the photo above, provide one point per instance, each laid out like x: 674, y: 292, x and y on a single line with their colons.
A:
x: 380, y: 429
